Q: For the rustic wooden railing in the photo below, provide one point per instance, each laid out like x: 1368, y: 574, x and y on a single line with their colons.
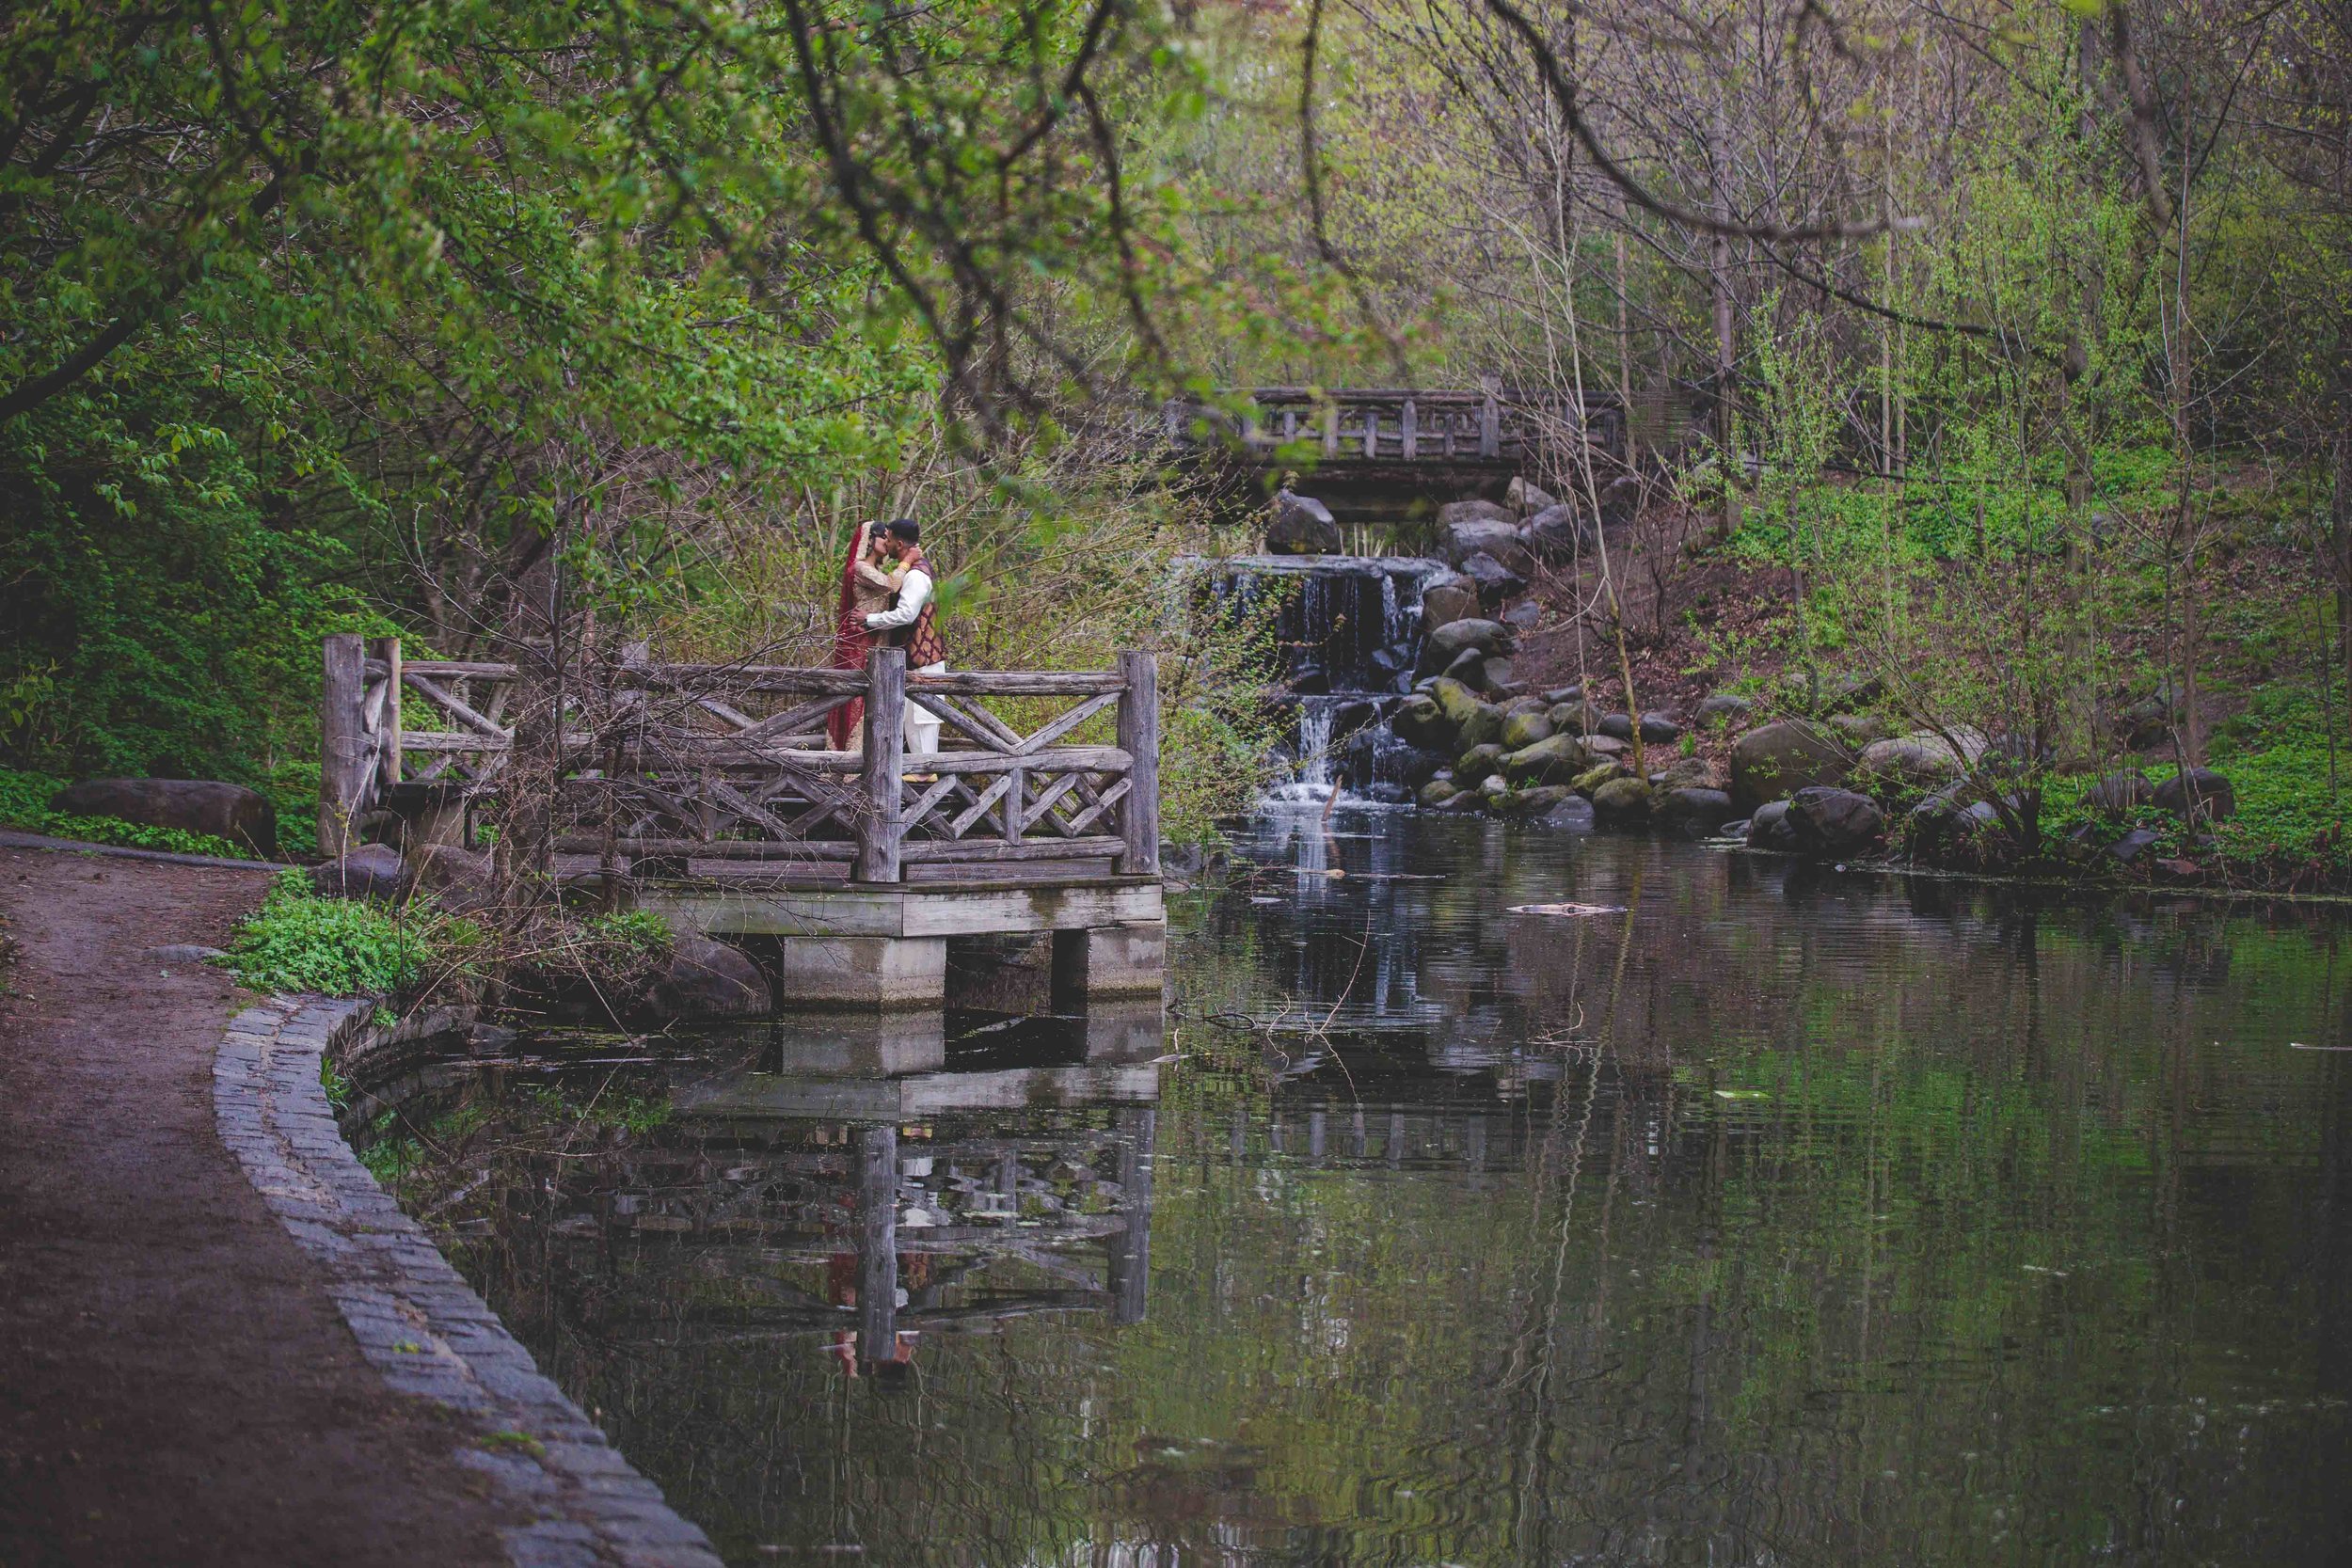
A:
x: 658, y: 765
x: 1493, y: 425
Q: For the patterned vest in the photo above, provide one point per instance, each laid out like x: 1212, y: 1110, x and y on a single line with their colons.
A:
x: 922, y: 641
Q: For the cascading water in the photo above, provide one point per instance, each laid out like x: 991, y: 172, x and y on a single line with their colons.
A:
x: 1350, y: 635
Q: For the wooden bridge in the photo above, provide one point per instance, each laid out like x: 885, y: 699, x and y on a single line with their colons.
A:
x: 1377, y: 452
x: 709, y: 793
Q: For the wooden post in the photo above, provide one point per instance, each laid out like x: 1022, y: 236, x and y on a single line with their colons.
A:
x: 1412, y: 433
x: 1016, y: 803
x: 342, y: 740
x: 1139, y: 738
x: 1331, y: 430
x: 1372, y: 432
x: 885, y: 763
x: 877, y: 1244
x: 1490, y: 418
x: 1130, y: 1271
x: 386, y: 650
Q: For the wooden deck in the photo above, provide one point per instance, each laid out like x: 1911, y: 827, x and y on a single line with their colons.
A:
x: 708, y: 793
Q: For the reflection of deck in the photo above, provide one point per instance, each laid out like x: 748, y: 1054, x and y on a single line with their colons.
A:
x: 758, y: 1095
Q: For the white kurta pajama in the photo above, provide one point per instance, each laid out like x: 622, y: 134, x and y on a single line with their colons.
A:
x: 922, y: 724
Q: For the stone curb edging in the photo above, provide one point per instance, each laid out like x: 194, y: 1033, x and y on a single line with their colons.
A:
x: 416, y: 1320
x: 12, y: 839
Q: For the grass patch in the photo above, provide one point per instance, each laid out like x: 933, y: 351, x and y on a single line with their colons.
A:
x: 300, y: 941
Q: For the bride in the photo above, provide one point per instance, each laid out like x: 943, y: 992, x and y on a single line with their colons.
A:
x: 870, y: 582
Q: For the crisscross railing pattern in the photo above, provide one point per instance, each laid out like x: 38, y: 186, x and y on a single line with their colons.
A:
x: 661, y: 765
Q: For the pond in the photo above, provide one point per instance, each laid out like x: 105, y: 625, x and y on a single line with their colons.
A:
x: 1488, y: 1197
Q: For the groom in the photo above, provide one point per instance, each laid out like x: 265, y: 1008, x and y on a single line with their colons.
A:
x: 912, y: 624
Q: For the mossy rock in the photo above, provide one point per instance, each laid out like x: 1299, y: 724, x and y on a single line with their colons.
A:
x: 1538, y: 799
x: 1593, y: 779
x: 1437, y: 792
x: 1555, y: 760
x: 1455, y: 700
x: 1576, y: 717
x: 1419, y: 722
x: 1622, y: 801
x: 1477, y: 764
x: 1524, y: 729
x: 1483, y: 726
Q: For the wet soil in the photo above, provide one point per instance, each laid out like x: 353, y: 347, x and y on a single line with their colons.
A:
x: 175, y: 1386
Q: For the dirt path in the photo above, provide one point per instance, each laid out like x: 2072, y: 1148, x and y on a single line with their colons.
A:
x: 174, y: 1387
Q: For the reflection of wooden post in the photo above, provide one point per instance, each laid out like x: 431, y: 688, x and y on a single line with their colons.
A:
x: 1139, y: 738
x: 886, y: 759
x: 386, y: 651
x: 1316, y: 1127
x: 1131, y: 1249
x: 877, y: 1244
x: 342, y: 740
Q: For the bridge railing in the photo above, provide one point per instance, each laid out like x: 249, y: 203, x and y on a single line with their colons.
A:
x: 660, y: 765
x: 1493, y: 425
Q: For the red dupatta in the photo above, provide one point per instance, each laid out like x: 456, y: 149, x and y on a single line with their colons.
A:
x: 851, y: 639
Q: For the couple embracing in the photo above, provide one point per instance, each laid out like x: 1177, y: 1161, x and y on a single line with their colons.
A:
x: 886, y: 588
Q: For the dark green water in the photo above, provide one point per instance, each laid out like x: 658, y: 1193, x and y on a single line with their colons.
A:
x: 1765, y: 1217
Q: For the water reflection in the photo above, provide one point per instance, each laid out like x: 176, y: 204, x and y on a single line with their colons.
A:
x: 1764, y: 1216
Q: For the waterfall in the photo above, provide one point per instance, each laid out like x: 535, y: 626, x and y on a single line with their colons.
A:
x: 1350, y: 636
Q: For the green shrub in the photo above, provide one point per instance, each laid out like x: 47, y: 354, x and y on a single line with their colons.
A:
x: 300, y: 941
x: 639, y: 928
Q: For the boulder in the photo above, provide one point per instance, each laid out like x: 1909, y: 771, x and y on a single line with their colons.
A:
x: 706, y: 979
x: 1499, y: 678
x: 1835, y: 821
x: 2214, y: 800
x: 1622, y: 802
x: 2132, y: 847
x: 1573, y: 718
x: 1525, y: 702
x: 1444, y: 603
x: 1556, y: 760
x: 1437, y: 792
x: 1415, y: 766
x: 1685, y: 773
x: 1524, y: 497
x: 1470, y: 668
x: 367, y: 871
x: 227, y: 810
x: 1660, y: 729
x: 1524, y: 729
x: 1619, y: 500
x: 1419, y: 722
x: 1772, y: 761
x: 1593, y: 778
x: 460, y: 880
x: 1849, y: 693
x: 1616, y: 726
x: 1523, y: 616
x: 1496, y: 579
x: 1538, y: 799
x: 1724, y: 708
x: 1450, y: 642
x: 1604, y: 745
x: 1563, y: 694
x: 1456, y: 702
x: 1856, y: 730
x: 1301, y: 525
x: 1695, y: 811
x: 1769, y: 828
x: 1573, y: 814
x: 1483, y: 724
x: 1496, y: 790
x: 1557, y: 533
x: 2119, y: 793
x: 1488, y: 529
x: 1477, y: 764
x: 1922, y: 760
